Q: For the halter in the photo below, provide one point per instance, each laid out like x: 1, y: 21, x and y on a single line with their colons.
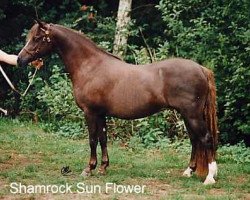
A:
x: 46, y: 38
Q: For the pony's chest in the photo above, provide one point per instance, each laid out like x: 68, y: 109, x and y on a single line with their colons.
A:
x: 87, y: 97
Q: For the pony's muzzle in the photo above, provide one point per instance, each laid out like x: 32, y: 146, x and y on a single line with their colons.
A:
x: 22, y: 62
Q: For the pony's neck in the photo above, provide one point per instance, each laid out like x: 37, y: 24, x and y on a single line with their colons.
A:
x: 75, y: 49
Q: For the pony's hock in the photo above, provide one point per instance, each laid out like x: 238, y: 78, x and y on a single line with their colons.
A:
x: 103, y: 85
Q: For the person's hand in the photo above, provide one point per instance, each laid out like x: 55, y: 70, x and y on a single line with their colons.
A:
x: 2, y: 53
x: 8, y: 58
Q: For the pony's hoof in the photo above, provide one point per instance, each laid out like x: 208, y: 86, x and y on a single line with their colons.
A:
x: 209, y: 181
x: 187, y: 172
x: 102, y: 172
x: 85, y: 174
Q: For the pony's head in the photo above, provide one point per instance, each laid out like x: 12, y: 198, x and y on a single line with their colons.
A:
x: 39, y: 43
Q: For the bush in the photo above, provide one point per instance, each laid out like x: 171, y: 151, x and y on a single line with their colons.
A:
x: 238, y: 153
x: 213, y: 33
x: 216, y: 35
x: 60, y: 111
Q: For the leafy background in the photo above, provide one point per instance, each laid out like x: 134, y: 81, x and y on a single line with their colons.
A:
x: 214, y: 33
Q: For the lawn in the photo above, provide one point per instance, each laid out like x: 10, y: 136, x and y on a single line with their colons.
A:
x: 30, y: 156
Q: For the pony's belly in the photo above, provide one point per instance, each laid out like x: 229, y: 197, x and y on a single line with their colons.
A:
x: 134, y: 102
x: 124, y: 112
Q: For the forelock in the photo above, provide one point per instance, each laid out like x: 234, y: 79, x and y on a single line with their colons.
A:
x: 32, y: 32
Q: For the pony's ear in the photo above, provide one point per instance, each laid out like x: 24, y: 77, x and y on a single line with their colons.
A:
x: 40, y: 23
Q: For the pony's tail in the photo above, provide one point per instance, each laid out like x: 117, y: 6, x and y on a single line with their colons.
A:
x: 202, y: 154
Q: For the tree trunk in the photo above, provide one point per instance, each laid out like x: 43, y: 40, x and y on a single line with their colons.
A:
x: 121, y: 36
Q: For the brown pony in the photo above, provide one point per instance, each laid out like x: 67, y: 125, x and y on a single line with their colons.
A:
x: 104, y: 85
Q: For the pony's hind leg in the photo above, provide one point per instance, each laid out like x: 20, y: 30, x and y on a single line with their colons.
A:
x: 203, y: 154
x: 212, y: 173
x: 192, y: 163
x: 212, y: 165
x: 201, y: 119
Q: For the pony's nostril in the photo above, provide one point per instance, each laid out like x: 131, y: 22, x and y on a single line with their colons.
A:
x: 18, y: 60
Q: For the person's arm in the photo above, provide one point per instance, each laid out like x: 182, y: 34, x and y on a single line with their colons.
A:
x: 8, y: 58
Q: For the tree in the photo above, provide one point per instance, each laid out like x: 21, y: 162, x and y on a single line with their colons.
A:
x: 123, y: 19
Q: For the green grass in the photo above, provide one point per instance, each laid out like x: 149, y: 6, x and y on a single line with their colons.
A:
x: 32, y: 157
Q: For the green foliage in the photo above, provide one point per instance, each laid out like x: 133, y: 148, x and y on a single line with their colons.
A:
x: 238, y: 153
x: 217, y: 36
x: 57, y: 94
x: 155, y: 129
x: 63, y: 116
x: 65, y: 128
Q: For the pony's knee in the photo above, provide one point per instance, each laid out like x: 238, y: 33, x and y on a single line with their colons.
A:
x: 103, y: 141
x: 93, y: 142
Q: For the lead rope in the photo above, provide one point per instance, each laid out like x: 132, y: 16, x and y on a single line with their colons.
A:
x: 13, y: 87
x: 4, y: 111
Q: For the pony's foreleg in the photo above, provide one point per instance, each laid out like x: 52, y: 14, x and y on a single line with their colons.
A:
x: 102, y: 129
x: 92, y: 123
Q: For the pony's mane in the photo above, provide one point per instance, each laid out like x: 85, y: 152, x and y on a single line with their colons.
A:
x: 87, y: 39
